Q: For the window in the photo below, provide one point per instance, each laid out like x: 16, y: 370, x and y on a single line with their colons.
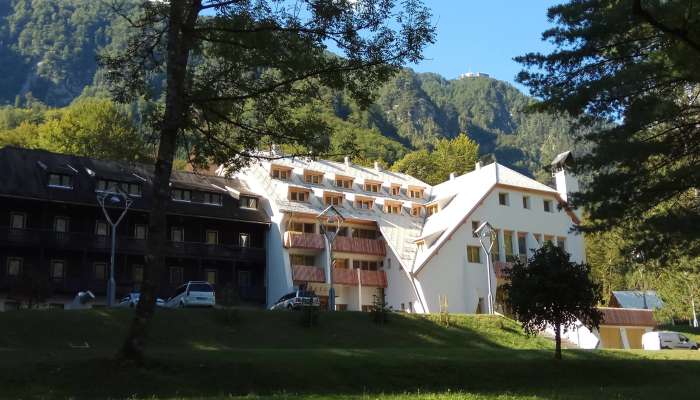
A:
x: 181, y: 195
x: 18, y: 220
x: 60, y: 224
x: 365, y: 204
x: 134, y: 189
x: 388, y: 263
x: 244, y: 278
x: 244, y: 239
x: 99, y: 271
x: 314, y: 178
x: 415, y: 193
x: 177, y: 234
x: 366, y: 265
x: 176, y: 275
x: 140, y: 231
x: 249, y: 202
x: 341, y: 263
x: 331, y: 199
x: 101, y: 228
x: 392, y: 208
x: 137, y: 273
x: 372, y: 187
x: 547, y: 206
x: 432, y: 209
x: 302, y: 259
x: 474, y: 254
x: 503, y: 199
x: 475, y: 226
x: 508, y: 244
x: 61, y: 181
x: 395, y: 190
x: 58, y: 270
x: 281, y: 173
x: 210, y: 276
x: 298, y: 195
x: 212, y: 198
x: 345, y: 183
x: 14, y: 266
x: 332, y: 228
x: 526, y: 202
x: 364, y: 233
x: 110, y: 186
x: 416, y: 210
x: 561, y: 243
x: 302, y: 227
x: 522, y: 244
x: 212, y: 237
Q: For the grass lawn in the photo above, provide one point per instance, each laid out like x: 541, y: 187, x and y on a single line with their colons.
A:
x: 209, y: 354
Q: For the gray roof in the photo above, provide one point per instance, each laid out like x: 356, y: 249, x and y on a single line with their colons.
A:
x: 25, y: 175
x: 638, y: 299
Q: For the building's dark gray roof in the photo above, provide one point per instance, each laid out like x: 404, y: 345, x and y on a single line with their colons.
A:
x: 24, y: 173
x: 638, y: 299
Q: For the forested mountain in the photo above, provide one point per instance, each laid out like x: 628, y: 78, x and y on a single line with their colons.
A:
x: 49, y: 49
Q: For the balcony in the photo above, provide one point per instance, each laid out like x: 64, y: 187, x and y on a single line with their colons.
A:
x: 360, y: 246
x: 373, y: 278
x: 299, y: 240
x: 343, y: 276
x: 307, y: 273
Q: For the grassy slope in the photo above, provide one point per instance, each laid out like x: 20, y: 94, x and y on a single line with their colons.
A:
x: 198, y: 354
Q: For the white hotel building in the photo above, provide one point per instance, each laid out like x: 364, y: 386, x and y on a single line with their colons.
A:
x: 413, y: 240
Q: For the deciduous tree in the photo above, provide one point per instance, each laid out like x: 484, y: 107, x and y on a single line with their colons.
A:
x: 235, y: 71
x: 552, y: 290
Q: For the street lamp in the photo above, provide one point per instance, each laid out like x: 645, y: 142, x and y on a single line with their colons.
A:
x: 113, y: 199
x: 332, y: 216
x: 484, y: 231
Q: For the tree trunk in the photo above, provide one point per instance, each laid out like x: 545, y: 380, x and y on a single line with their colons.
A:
x: 557, y: 341
x: 182, y: 19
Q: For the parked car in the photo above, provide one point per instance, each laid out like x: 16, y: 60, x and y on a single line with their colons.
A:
x: 132, y: 299
x: 295, y: 300
x: 193, y: 294
x: 667, y: 340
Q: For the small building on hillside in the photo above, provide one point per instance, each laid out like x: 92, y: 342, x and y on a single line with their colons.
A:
x: 645, y: 300
x: 621, y: 328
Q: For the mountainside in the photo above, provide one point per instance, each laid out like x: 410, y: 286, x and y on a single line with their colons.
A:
x: 49, y: 50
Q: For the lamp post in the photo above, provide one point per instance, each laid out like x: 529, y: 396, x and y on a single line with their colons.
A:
x: 332, y: 216
x: 484, y: 231
x: 114, y: 199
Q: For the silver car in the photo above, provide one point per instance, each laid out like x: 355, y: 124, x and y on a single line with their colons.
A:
x: 295, y: 300
x: 193, y: 294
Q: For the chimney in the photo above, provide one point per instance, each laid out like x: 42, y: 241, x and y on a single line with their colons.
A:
x: 566, y: 182
x: 347, y: 162
x: 477, y: 166
x: 377, y: 167
x: 452, y: 176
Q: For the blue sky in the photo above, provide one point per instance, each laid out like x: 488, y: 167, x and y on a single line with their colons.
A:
x: 484, y: 36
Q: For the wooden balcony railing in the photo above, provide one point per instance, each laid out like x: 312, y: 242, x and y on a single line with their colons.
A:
x: 360, y: 246
x: 306, y: 273
x: 373, y: 278
x: 299, y: 240
x: 345, y: 276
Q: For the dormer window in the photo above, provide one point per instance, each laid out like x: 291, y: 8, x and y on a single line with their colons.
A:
x: 315, y: 178
x: 371, y: 186
x: 343, y: 182
x: 212, y: 198
x: 249, y: 202
x: 417, y: 210
x: 432, y: 209
x: 415, y: 193
x: 283, y: 173
x: 332, y: 199
x: 396, y: 190
x: 392, y: 208
x: 181, y: 195
x: 548, y: 206
x: 364, y: 203
x: 298, y: 195
x: 110, y: 186
x: 61, y: 181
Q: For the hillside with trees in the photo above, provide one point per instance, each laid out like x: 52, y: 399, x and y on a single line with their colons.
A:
x: 49, y: 50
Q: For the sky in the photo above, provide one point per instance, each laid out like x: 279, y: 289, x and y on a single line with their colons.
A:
x: 484, y: 36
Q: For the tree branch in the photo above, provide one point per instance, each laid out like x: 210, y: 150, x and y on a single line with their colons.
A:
x: 678, y: 33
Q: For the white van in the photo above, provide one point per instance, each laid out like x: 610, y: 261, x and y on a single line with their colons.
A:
x: 667, y: 340
x: 193, y: 294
